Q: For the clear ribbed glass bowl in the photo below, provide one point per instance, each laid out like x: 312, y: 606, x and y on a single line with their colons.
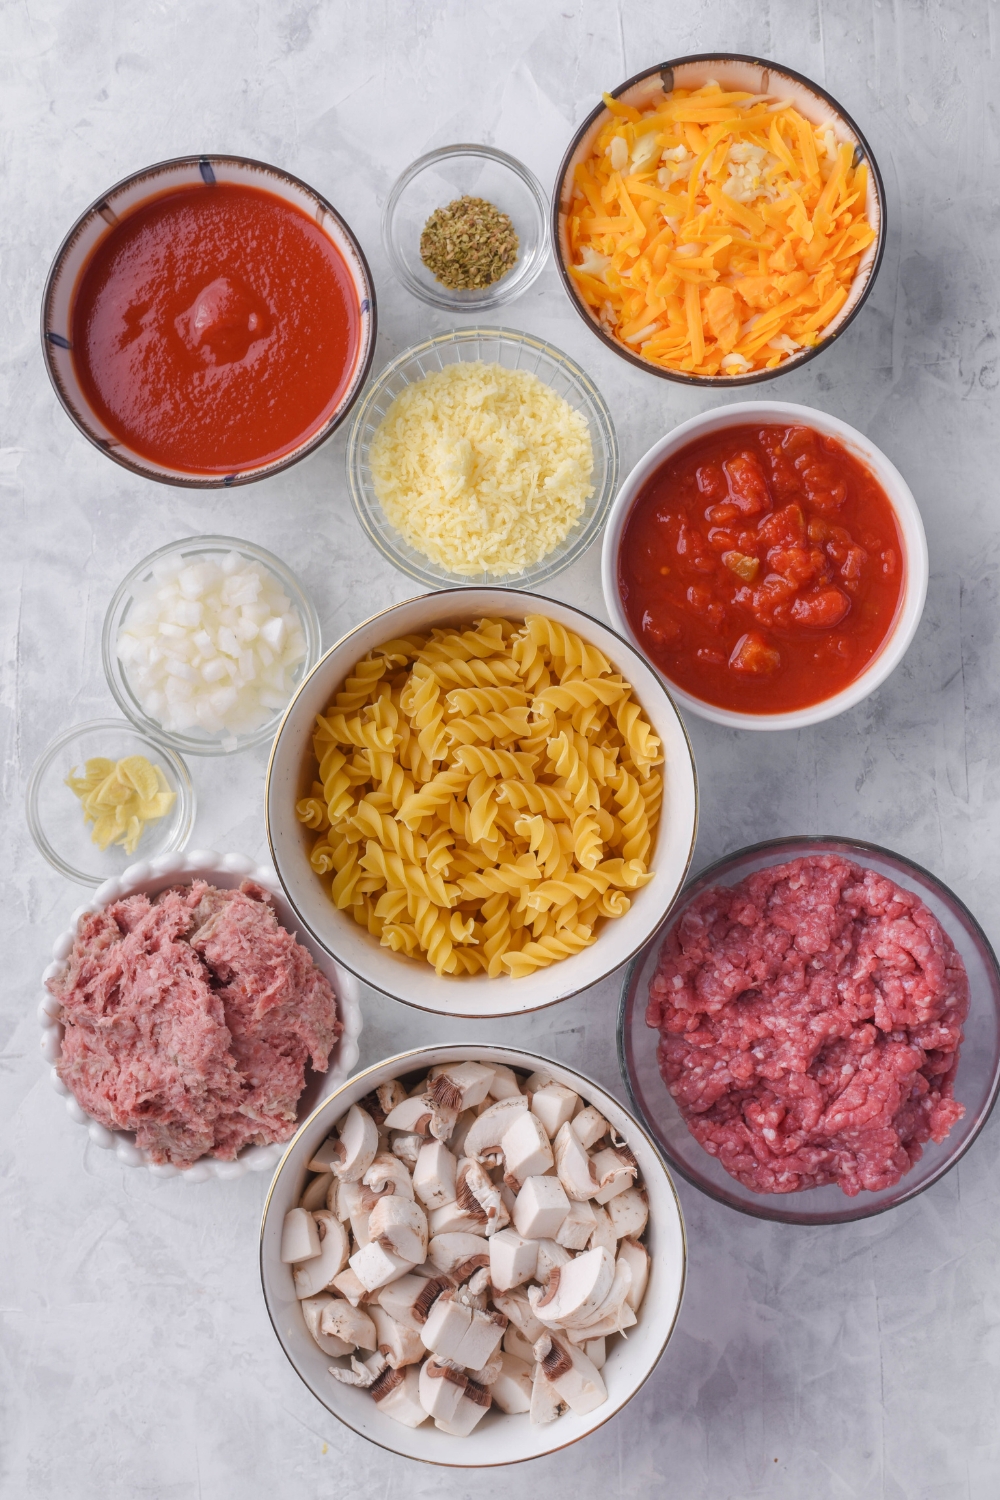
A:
x: 200, y: 741
x: 977, y: 1077
x: 515, y: 351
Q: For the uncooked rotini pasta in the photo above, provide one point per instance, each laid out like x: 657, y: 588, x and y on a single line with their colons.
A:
x: 484, y: 798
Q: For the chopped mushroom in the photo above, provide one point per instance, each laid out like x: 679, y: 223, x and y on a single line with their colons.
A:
x: 491, y: 1256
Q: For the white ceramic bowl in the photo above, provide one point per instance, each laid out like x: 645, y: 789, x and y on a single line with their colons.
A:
x: 915, y: 562
x: 226, y: 871
x: 499, y: 1439
x: 291, y: 772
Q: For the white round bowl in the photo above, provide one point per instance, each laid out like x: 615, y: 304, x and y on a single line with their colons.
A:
x: 915, y: 561
x: 226, y: 871
x: 412, y: 980
x: 499, y: 1439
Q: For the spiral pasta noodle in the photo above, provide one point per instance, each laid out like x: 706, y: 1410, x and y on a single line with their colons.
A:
x: 484, y: 798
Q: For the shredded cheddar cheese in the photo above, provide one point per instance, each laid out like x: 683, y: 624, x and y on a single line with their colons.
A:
x: 718, y: 232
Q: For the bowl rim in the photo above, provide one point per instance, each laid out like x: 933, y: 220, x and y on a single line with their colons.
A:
x: 180, y: 869
x: 182, y: 478
x: 453, y: 1014
x: 909, y: 612
x: 176, y: 740
x: 802, y: 842
x: 492, y: 296
x: 540, y: 572
x: 473, y: 1051
x: 683, y: 377
x: 188, y: 796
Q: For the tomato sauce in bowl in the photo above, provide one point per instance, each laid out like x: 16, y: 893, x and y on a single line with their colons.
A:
x: 761, y: 568
x: 215, y: 329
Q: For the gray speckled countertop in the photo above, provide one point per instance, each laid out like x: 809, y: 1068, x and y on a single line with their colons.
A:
x: 135, y: 1354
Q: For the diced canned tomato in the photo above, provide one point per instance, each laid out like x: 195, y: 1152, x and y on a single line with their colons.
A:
x: 760, y: 567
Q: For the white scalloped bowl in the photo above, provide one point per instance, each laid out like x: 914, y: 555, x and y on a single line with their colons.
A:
x: 226, y: 871
x: 499, y: 1438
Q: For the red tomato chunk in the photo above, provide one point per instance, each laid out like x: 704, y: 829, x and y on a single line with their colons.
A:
x: 760, y: 568
x: 810, y: 1023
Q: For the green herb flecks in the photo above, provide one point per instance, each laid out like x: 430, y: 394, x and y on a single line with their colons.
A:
x: 468, y: 245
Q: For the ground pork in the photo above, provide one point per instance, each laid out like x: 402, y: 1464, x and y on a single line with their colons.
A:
x: 810, y: 1022
x: 190, y: 1019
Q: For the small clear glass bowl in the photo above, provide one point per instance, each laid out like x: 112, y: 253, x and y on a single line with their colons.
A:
x: 201, y: 742
x: 977, y: 1077
x: 55, y: 816
x: 437, y: 179
x: 515, y: 351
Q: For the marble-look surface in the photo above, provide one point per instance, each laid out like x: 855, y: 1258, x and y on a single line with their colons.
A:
x: 135, y: 1354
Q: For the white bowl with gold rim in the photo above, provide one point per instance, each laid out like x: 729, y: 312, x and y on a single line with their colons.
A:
x: 498, y: 1439
x: 291, y: 772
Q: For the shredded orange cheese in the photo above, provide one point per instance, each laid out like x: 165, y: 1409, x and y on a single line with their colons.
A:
x: 717, y: 233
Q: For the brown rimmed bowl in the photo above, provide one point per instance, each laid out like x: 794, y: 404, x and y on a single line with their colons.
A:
x: 733, y: 70
x: 97, y: 221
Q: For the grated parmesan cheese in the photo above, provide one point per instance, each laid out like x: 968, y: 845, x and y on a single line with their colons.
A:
x: 482, y: 469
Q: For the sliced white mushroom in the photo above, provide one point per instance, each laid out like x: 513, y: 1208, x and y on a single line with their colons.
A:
x: 441, y: 1387
x: 475, y: 1190
x: 511, y: 1390
x: 315, y: 1195
x: 447, y: 1324
x: 443, y: 1120
x: 413, y: 1116
x: 536, y: 1081
x: 326, y: 1153
x: 540, y: 1208
x: 514, y: 1342
x: 575, y: 1291
x: 517, y: 1308
x: 616, y: 1170
x: 434, y: 1175
x: 617, y: 1322
x: 487, y: 1131
x: 452, y: 1218
x: 526, y: 1149
x: 400, y: 1345
x: 589, y: 1126
x: 612, y: 1305
x: 573, y: 1165
x: 312, y: 1308
x: 488, y: 1373
x: 396, y: 1393
x: 457, y: 1139
x: 410, y: 1298
x: 554, y: 1105
x: 359, y: 1139
x: 315, y: 1275
x: 475, y: 1403
x: 480, y: 1339
x: 348, y: 1285
x: 387, y: 1174
x: 400, y: 1225
x: 458, y: 1255
x: 460, y: 1085
x: 551, y: 1256
x: 362, y: 1372
x: 546, y: 1403
x: 389, y: 1095
x: 406, y: 1145
x: 340, y: 1320
x: 504, y: 1084
x: 299, y: 1237
x: 596, y: 1351
x: 636, y: 1257
x: 512, y: 1259
x: 375, y: 1267
x: 603, y: 1232
x: 629, y: 1212
x: 575, y: 1377
x: 577, y: 1227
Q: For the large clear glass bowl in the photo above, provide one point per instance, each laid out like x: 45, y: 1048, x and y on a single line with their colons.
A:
x: 437, y: 179
x: 976, y: 1082
x: 192, y: 548
x: 55, y: 816
x: 515, y: 351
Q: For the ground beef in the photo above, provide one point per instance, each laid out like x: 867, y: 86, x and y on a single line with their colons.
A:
x: 190, y: 1019
x: 810, y: 1022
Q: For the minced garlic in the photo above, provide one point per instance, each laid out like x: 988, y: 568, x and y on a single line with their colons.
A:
x: 719, y: 232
